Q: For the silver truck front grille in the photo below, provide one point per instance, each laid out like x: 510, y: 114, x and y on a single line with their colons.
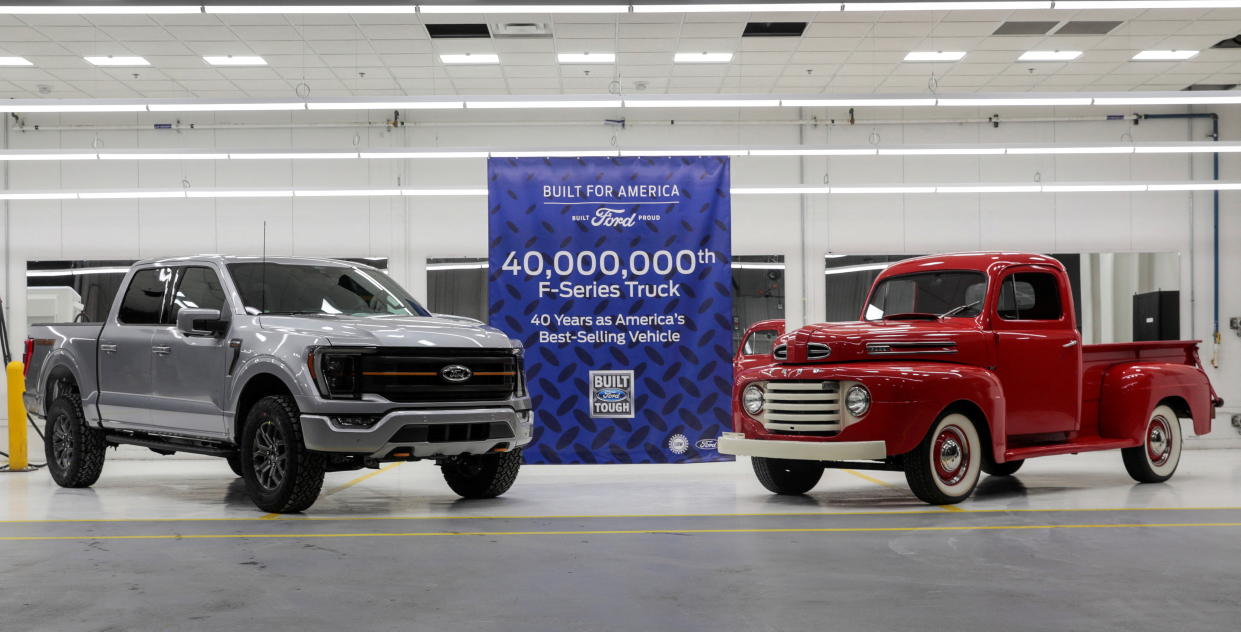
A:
x: 802, y: 407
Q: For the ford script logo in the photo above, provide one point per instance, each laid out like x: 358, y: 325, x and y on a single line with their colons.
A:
x: 705, y: 444
x: 456, y: 373
x: 612, y: 395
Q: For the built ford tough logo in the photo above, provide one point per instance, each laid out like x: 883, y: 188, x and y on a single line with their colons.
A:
x: 456, y: 373
x: 611, y: 394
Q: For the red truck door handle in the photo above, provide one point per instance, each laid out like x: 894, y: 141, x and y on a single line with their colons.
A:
x: 1071, y: 343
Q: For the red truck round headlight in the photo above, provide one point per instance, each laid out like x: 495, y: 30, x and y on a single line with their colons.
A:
x: 857, y: 400
x: 752, y: 399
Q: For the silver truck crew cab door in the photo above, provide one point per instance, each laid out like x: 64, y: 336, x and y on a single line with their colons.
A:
x: 189, y: 371
x: 125, y: 358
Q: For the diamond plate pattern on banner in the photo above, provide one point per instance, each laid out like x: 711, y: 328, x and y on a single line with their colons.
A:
x: 679, y: 392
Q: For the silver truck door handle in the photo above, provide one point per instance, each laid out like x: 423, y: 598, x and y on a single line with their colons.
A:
x: 161, y: 349
x: 1071, y: 343
x: 107, y: 347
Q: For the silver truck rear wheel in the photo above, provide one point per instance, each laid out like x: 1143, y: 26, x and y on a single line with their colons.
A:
x: 74, y: 450
x: 1156, y: 459
x: 482, y: 475
x: 281, y: 475
x: 787, y: 476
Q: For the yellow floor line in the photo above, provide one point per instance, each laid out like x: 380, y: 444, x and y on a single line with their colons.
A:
x: 293, y: 536
x: 365, y: 477
x: 950, y: 508
x: 872, y: 479
x: 797, y: 514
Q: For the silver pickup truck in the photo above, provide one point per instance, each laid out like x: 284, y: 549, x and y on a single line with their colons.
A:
x: 287, y: 367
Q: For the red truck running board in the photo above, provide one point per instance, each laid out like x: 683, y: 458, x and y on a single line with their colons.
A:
x: 1082, y: 445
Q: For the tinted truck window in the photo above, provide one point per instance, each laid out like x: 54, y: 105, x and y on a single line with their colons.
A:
x: 198, y: 288
x: 1030, y: 296
x: 144, y: 298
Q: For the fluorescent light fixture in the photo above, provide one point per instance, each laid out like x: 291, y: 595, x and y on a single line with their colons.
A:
x: 1188, y: 99
x: 111, y: 9
x: 556, y: 153
x: 991, y: 188
x: 1045, y: 101
x: 38, y: 196
x: 888, y: 189
x: 1201, y: 148
x: 865, y: 267
x: 470, y: 58
x: 702, y: 58
x: 325, y: 8
x: 811, y: 151
x: 863, y: 102
x: 738, y: 8
x: 1093, y: 188
x: 253, y: 193
x: 408, y: 155
x: 122, y: 60
x: 1195, y: 186
x: 1050, y: 55
x: 482, y: 265
x: 15, y: 61
x: 935, y: 55
x: 309, y: 155
x: 745, y: 265
x: 520, y: 105
x: 235, y: 60
x: 164, y: 156
x: 389, y: 104
x: 586, y: 58
x: 941, y: 151
x: 780, y: 190
x: 1165, y: 55
x: 1035, y: 151
x: 702, y: 103
x: 444, y: 192
x: 704, y: 151
x: 347, y: 193
x: 227, y: 107
x: 76, y: 271
x: 518, y: 9
x: 1076, y: 5
x: 19, y: 157
x: 946, y: 6
x: 129, y: 195
x: 71, y: 108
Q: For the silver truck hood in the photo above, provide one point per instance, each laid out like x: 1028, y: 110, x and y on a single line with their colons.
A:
x: 391, y: 331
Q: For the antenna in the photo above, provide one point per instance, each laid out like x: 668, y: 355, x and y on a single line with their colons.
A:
x: 263, y: 275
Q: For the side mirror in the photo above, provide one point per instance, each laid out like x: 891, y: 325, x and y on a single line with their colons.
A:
x: 201, y: 322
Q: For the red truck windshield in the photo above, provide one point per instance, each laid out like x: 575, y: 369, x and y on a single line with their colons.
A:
x: 956, y: 293
x: 283, y: 288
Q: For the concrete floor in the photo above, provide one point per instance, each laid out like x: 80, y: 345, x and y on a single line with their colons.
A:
x: 1068, y: 544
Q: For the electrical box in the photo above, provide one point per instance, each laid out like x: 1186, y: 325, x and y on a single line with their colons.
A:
x: 1157, y: 315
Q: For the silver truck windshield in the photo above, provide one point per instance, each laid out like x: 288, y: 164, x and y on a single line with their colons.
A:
x: 285, y: 288
x: 949, y: 293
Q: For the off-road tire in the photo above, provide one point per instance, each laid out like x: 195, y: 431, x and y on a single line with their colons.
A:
x: 81, y: 460
x: 932, y: 473
x: 234, y: 463
x: 482, y: 475
x: 1008, y: 468
x: 301, y: 479
x: 1156, y: 459
x: 787, y: 476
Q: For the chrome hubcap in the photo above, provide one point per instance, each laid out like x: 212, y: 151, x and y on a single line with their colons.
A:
x: 270, y: 457
x: 951, y: 454
x: 62, y: 442
x: 1159, y: 441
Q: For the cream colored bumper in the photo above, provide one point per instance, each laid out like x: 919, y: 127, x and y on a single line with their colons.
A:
x: 736, y: 443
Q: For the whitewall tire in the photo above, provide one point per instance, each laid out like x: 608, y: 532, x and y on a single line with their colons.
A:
x: 1156, y: 459
x: 944, y: 468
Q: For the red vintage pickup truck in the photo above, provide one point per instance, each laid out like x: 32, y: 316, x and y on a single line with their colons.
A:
x: 960, y: 364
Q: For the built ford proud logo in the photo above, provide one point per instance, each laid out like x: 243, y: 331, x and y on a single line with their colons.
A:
x: 611, y: 394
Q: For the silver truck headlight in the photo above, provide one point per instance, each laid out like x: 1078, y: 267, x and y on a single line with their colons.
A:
x: 752, y: 399
x: 857, y: 400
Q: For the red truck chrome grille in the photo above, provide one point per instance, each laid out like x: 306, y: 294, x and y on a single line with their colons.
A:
x: 811, y: 407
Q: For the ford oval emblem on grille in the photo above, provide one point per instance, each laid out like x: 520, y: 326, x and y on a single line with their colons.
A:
x: 456, y: 373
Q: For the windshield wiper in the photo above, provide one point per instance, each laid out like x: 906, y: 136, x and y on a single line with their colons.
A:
x: 912, y: 316
x: 958, y: 309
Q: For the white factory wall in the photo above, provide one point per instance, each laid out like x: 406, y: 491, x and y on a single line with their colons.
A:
x: 409, y: 230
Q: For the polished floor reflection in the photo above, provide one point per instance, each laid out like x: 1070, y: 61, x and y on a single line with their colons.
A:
x: 1069, y: 543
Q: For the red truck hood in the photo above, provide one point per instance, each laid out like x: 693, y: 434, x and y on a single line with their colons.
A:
x: 951, y: 340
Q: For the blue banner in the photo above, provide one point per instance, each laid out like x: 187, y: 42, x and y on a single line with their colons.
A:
x: 616, y: 274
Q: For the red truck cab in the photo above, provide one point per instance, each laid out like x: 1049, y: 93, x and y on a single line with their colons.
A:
x: 961, y: 364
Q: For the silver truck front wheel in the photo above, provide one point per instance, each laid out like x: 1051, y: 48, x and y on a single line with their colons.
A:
x: 281, y: 475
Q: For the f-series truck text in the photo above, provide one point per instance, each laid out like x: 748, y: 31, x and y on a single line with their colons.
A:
x: 960, y: 364
x: 287, y: 367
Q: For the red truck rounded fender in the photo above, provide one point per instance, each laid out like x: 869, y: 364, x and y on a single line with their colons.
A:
x: 938, y: 387
x: 1130, y: 391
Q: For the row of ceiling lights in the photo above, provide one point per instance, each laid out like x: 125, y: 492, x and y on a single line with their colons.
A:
x: 610, y: 58
x: 907, y: 189
x: 408, y: 154
x: 409, y: 7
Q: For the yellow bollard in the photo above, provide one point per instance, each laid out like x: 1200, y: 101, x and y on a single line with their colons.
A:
x: 17, y: 417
